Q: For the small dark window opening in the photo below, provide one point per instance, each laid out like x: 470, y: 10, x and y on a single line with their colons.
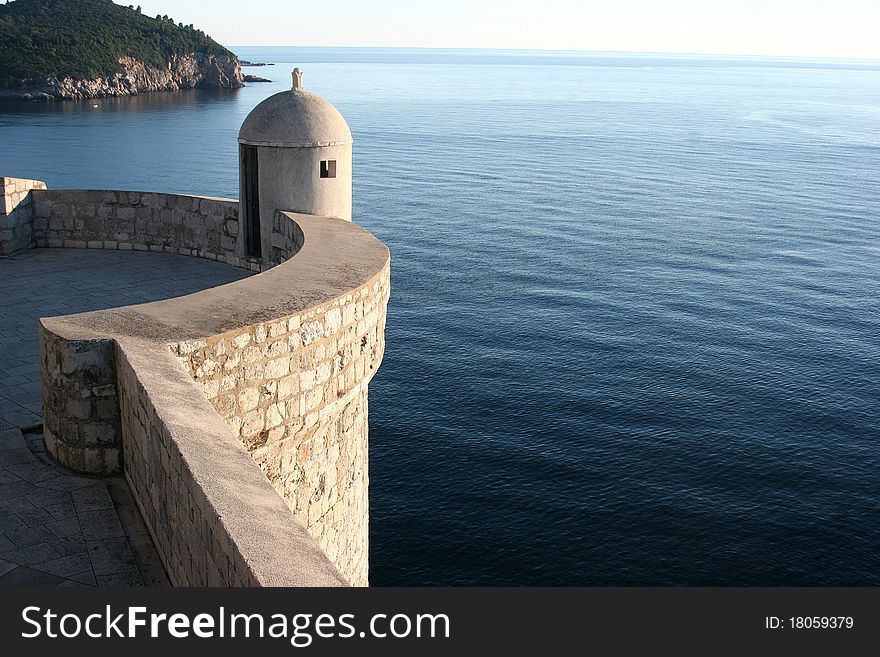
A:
x: 328, y: 168
x: 251, y: 202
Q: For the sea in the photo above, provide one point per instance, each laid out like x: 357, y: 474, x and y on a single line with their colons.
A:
x: 634, y: 333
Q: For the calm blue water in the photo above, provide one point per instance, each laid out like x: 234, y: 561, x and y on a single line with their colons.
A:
x: 635, y: 328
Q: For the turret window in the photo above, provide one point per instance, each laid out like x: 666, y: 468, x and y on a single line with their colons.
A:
x: 328, y: 168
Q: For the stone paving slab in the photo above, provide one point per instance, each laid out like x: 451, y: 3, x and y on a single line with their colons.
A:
x: 86, y: 546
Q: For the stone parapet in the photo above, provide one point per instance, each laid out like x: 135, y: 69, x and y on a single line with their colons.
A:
x: 214, y: 517
x: 80, y: 404
x: 272, y: 369
x: 199, y: 226
x: 16, y: 214
x: 294, y: 390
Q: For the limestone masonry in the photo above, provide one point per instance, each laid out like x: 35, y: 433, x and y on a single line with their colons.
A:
x: 238, y: 414
x: 16, y: 215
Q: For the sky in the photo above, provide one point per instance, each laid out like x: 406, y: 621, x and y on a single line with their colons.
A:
x: 796, y: 28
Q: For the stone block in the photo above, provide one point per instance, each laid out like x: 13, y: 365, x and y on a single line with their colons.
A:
x: 277, y: 368
x: 125, y: 213
x: 277, y: 348
x: 252, y: 354
x: 287, y: 386
x: 248, y: 398
x: 252, y: 423
x: 310, y: 332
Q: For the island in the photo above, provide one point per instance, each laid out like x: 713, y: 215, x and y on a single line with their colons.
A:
x: 57, y: 49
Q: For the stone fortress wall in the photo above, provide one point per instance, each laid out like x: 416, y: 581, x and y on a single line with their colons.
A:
x: 96, y: 219
x: 237, y: 414
x: 16, y: 214
x: 294, y: 391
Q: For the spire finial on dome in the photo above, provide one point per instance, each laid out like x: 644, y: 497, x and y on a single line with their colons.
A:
x: 297, y: 79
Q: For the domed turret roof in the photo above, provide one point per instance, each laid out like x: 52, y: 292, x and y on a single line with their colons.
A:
x: 294, y: 119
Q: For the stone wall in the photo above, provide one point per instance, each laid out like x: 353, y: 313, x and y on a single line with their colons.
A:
x: 197, y: 226
x: 295, y: 391
x: 286, y: 238
x: 213, y: 516
x: 80, y: 405
x: 16, y: 214
x: 173, y: 508
x: 79, y: 394
x: 81, y: 428
x: 238, y: 414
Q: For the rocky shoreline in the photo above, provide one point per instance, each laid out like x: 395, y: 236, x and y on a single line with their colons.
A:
x: 182, y: 72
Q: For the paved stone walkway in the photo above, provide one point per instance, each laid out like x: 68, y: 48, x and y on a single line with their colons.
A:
x: 47, y: 282
x: 57, y: 528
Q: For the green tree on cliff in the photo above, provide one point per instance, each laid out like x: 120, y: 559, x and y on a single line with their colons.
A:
x: 84, y: 39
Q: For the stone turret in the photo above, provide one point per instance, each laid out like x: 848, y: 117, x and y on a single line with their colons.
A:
x: 295, y: 155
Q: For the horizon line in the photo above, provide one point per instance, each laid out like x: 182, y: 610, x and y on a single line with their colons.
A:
x: 579, y: 52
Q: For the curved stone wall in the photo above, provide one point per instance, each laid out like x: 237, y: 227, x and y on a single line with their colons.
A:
x: 102, y: 219
x: 277, y: 363
x: 295, y: 391
x: 80, y: 411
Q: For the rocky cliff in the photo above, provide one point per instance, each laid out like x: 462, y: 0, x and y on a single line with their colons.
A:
x: 182, y: 72
x: 90, y: 48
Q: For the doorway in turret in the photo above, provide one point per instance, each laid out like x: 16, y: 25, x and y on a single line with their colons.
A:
x: 250, y: 203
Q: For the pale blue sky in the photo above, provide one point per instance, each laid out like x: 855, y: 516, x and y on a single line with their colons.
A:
x: 807, y: 28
